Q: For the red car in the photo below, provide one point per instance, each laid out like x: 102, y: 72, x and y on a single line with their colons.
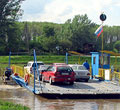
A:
x: 59, y: 73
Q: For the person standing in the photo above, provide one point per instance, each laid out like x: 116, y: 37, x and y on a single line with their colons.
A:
x: 86, y: 65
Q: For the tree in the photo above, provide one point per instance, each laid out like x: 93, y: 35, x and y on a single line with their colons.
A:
x: 9, y: 12
x: 116, y: 47
x: 48, y: 31
x: 81, y: 32
x: 66, y: 30
x: 65, y: 46
x: 14, y: 40
x: 49, y: 44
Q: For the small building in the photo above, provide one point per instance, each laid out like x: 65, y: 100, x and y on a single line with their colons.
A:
x: 101, y: 64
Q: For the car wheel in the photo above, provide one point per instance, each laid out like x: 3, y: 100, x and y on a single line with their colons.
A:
x: 86, y: 80
x: 71, y: 83
x: 50, y: 81
x: 40, y: 77
x: 43, y: 79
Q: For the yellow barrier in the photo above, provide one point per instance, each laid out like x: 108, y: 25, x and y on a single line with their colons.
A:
x: 101, y: 72
x: 90, y: 70
x: 116, y: 76
x: 19, y: 70
x: 2, y: 71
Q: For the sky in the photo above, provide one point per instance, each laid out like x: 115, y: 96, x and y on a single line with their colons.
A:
x: 59, y: 11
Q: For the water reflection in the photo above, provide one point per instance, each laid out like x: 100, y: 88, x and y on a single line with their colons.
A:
x: 22, y: 96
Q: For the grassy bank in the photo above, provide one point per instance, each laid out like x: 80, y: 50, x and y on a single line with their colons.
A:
x: 22, y: 60
x: 49, y: 59
x: 10, y: 106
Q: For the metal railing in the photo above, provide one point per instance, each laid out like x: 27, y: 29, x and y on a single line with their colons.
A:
x: 114, y: 76
x: 101, y: 72
x: 2, y: 71
x: 19, y: 70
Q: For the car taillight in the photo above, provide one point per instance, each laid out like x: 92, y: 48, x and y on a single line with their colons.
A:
x: 72, y: 73
x: 88, y: 74
x: 57, y: 73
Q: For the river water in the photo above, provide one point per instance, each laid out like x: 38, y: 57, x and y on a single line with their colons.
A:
x: 20, y: 95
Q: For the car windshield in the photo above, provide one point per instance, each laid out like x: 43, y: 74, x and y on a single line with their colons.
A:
x: 37, y: 64
x: 64, y: 69
x: 81, y: 68
x: 44, y: 67
x: 74, y: 67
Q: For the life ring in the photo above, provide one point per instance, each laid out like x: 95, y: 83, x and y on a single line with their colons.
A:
x: 15, y: 74
x: 27, y: 78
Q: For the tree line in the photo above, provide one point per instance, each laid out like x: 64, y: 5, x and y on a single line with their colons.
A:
x: 75, y: 34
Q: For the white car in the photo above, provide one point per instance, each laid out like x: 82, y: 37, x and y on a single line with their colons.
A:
x: 31, y: 64
x: 81, y: 72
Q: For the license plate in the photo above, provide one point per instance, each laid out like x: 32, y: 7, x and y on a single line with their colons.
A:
x: 65, y: 73
x: 69, y: 78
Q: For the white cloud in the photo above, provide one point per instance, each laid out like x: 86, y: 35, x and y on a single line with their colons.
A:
x: 60, y: 10
x: 55, y: 11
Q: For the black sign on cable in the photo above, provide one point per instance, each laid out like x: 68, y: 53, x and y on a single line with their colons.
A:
x: 103, y: 17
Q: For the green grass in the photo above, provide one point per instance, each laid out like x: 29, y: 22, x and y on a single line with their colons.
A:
x: 10, y: 106
x: 49, y: 59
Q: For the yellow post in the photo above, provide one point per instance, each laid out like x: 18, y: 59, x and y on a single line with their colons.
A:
x: 102, y: 53
x: 102, y: 45
x: 119, y: 77
x: 79, y: 60
x: 102, y: 42
x: 116, y: 62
